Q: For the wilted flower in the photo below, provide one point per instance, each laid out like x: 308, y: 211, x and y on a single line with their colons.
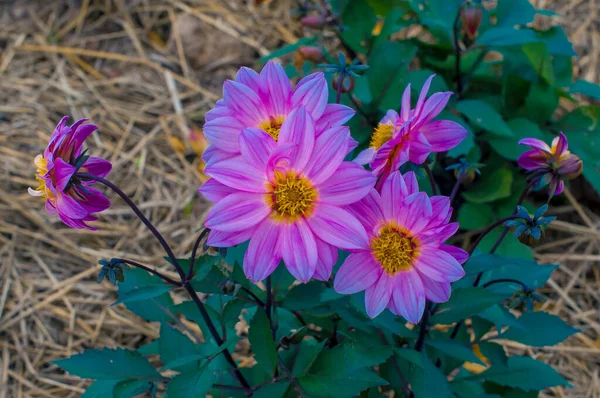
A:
x: 471, y: 19
x: 264, y: 101
x: 411, y: 135
x: 405, y: 260
x: 529, y: 229
x: 550, y: 165
x: 287, y: 198
x: 72, y: 199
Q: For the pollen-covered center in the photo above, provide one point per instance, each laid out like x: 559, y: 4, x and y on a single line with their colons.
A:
x: 382, y: 134
x: 291, y: 195
x: 272, y: 126
x: 393, y: 249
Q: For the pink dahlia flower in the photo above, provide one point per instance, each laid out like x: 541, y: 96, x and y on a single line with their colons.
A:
x: 405, y: 261
x: 288, y: 199
x: 73, y: 200
x: 265, y: 101
x: 412, y: 134
x: 550, y: 165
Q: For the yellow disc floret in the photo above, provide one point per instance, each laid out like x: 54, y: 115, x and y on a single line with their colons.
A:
x: 272, y: 126
x: 291, y: 196
x: 42, y: 168
x: 393, y: 249
x: 382, y: 134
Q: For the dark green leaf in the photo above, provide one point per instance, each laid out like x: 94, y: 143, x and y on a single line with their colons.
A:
x: 150, y: 348
x: 454, y: 349
x: 130, y: 388
x: 173, y: 344
x: 272, y: 390
x: 261, y: 342
x: 339, y: 386
x: 586, y: 88
x: 494, y: 352
x: 500, y: 317
x: 308, y: 351
x: 540, y: 329
x: 100, y: 389
x: 463, y: 303
x: 482, y: 115
x: 493, y: 184
x: 510, y: 13
x: 195, y: 384
x: 348, y: 358
x: 557, y: 41
x: 509, y: 147
x: 108, y: 364
x: 541, y: 102
x: 540, y: 59
x: 475, y: 216
x: 151, y: 309
x: 202, y: 266
x: 304, y: 296
x: 359, y: 20
x: 142, y: 293
x: 502, y: 37
x: 426, y: 379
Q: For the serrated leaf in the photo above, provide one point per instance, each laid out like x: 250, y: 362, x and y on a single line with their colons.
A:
x: 261, y: 342
x: 173, y: 344
x: 195, y: 384
x: 130, y: 388
x: 308, y: 351
x: 100, y: 389
x: 151, y: 309
x: 463, y: 303
x: 109, y: 364
x: 340, y: 386
x: 206, y: 350
x: 454, y: 349
x: 482, y: 115
x: 272, y: 390
x: 142, y: 293
x: 540, y: 329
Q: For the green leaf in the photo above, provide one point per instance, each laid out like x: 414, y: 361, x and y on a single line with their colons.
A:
x: 142, y: 293
x: 586, y: 88
x: 261, y: 342
x: 130, y: 388
x: 194, y: 384
x: 287, y: 49
x: 150, y: 348
x: 541, y: 102
x: 510, y: 13
x: 340, y: 386
x: 500, y: 317
x: 359, y: 20
x: 539, y: 57
x: 109, y: 364
x: 100, y: 389
x: 503, y: 37
x: 493, y: 184
x: 509, y: 246
x: 304, y: 296
x: 203, y: 266
x: 308, y: 351
x: 557, y: 41
x: 348, y: 358
x: 525, y: 373
x: 494, y: 352
x: 272, y: 390
x: 482, y: 115
x: 509, y: 147
x: 454, y: 349
x: 173, y: 344
x: 151, y: 309
x: 475, y: 216
x: 540, y: 329
x: 463, y: 303
x: 426, y: 379
x: 204, y: 351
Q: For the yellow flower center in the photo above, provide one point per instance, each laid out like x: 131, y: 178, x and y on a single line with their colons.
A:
x: 291, y: 196
x: 382, y: 134
x: 42, y: 168
x: 272, y: 126
x: 393, y: 249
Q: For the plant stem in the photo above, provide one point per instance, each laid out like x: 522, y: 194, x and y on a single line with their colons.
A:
x: 457, y: 54
x: 459, y: 181
x: 338, y: 98
x: 190, y: 273
x: 145, y: 268
x: 423, y: 329
x: 489, y: 229
x: 431, y: 180
x: 269, y: 306
x: 362, y: 112
x: 184, y: 282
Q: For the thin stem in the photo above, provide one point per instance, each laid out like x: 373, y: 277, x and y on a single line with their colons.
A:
x: 269, y: 305
x: 361, y: 111
x: 340, y: 81
x: 423, y: 329
x: 253, y: 296
x: 457, y: 54
x: 431, y: 180
x: 141, y: 216
x: 190, y: 273
x: 145, y: 268
x: 476, y: 64
x: 489, y: 229
x: 459, y: 181
x: 405, y: 387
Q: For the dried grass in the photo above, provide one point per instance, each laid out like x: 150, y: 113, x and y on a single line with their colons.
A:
x: 133, y: 69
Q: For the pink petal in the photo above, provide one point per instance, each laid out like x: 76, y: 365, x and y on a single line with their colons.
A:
x: 560, y: 187
x: 437, y: 292
x: 349, y: 183
x: 419, y: 147
x: 409, y: 296
x: 369, y: 211
x: 80, y: 135
x: 334, y: 115
x: 214, y: 191
x: 244, y: 103
x: 441, y: 210
x: 559, y: 146
x: 378, y: 295
x: 434, y: 105
x: 228, y: 239
x: 263, y: 254
x: 224, y: 133
x: 459, y: 254
x: 93, y: 201
x: 212, y: 154
x: 280, y: 159
x: 50, y: 208
x: 236, y: 173
x: 249, y: 78
x: 97, y: 166
x: 237, y: 211
x: 311, y: 93
x: 393, y: 192
x: 256, y: 147
x: 358, y: 272
x: 63, y: 172
x: 405, y: 109
x: 416, y: 212
x: 328, y: 154
x: 299, y: 249
x: 532, y: 159
x: 220, y: 110
x: 439, y: 235
x: 438, y: 265
x: 535, y: 143
x: 299, y: 129
x: 276, y: 88
x: 68, y: 207
x: 391, y: 117
x: 422, y: 96
x: 338, y: 227
x: 328, y: 256
x: 443, y: 135
x: 412, y: 185
x: 366, y: 156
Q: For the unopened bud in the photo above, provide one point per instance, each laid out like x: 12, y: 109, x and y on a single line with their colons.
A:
x: 313, y: 21
x: 347, y: 84
x: 471, y: 19
x: 529, y: 240
x: 309, y: 53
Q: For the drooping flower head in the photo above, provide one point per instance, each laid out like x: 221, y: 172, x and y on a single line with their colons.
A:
x: 411, y: 135
x: 265, y: 101
x: 288, y: 199
x: 405, y: 260
x: 73, y: 200
x: 550, y: 165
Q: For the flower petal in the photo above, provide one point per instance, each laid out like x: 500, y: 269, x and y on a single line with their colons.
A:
x: 369, y: 211
x: 416, y: 212
x: 535, y: 143
x: 276, y: 88
x: 412, y: 185
x: 437, y: 236
x: 311, y: 93
x: 262, y: 256
x: 328, y: 154
x: 434, y: 105
x: 93, y: 201
x: 437, y: 292
x: 256, y: 147
x: 378, y: 295
x: 409, y: 296
x: 560, y: 145
x: 244, y: 103
x: 443, y: 135
x: 214, y: 191
x: 236, y: 173
x: 228, y: 239
x: 405, y: 108
x: 299, y: 249
x: 69, y: 208
x: 299, y: 129
x: 366, y: 156
x: 248, y: 77
x: 237, y: 212
x: 358, y: 272
x: 62, y: 173
x: 224, y: 133
x: 338, y: 227
x: 459, y: 254
x: 393, y: 192
x: 97, y: 166
x: 334, y: 115
x: 422, y: 95
x: 349, y: 183
x: 438, y: 265
x: 419, y: 147
x: 328, y: 256
x: 532, y: 159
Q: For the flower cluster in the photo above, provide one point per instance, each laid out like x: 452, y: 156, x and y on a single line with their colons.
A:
x: 279, y: 180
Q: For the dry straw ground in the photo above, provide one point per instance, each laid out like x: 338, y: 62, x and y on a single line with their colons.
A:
x: 146, y: 71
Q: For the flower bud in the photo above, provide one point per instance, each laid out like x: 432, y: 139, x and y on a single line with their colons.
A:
x: 313, y: 21
x: 529, y: 240
x: 471, y: 19
x: 347, y: 84
x: 310, y: 53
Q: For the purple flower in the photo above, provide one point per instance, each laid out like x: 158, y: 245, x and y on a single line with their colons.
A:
x: 550, y: 165
x: 405, y: 259
x: 73, y: 200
